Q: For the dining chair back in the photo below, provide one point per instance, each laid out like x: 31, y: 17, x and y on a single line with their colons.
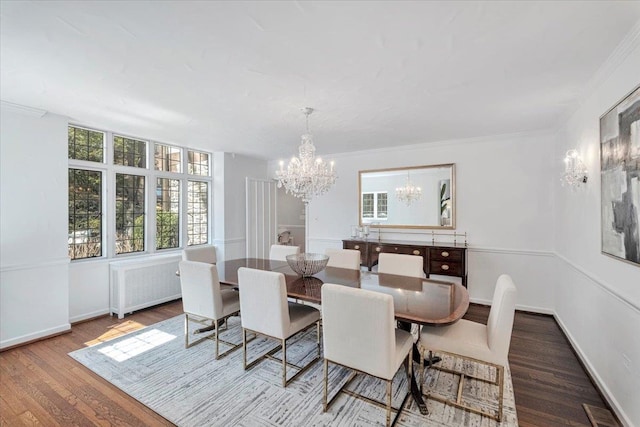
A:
x: 486, y: 344
x: 200, y: 253
x: 266, y: 311
x: 344, y: 258
x: 359, y: 333
x: 500, y: 322
x: 280, y: 252
x: 401, y: 264
x: 203, y: 300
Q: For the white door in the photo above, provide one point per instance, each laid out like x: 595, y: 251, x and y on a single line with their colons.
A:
x: 261, y: 217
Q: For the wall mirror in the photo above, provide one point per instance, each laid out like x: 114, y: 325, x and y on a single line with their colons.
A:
x: 410, y: 197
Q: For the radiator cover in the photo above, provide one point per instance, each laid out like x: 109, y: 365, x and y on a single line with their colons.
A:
x: 141, y: 283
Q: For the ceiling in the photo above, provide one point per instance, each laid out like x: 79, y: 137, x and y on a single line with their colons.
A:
x: 233, y: 76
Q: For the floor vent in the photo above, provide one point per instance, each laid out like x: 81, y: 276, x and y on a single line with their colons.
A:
x: 600, y: 417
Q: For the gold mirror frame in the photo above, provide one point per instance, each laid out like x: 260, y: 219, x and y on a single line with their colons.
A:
x: 429, y: 177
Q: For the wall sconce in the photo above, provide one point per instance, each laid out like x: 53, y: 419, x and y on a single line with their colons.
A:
x: 575, y: 172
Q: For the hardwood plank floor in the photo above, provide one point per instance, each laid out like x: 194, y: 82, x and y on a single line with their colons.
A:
x: 41, y: 385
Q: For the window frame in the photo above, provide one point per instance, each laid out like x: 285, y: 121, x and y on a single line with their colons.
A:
x: 151, y: 175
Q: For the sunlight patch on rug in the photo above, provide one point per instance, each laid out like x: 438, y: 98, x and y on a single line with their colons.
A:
x: 138, y: 344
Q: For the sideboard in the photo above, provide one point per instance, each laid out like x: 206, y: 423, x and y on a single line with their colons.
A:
x: 438, y: 258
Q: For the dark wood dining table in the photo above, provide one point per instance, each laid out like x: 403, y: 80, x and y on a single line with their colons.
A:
x: 416, y: 300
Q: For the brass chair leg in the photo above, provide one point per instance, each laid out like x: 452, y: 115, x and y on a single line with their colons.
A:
x: 186, y: 330
x: 244, y: 348
x: 326, y: 385
x: 388, y: 403
x: 284, y: 363
x: 215, y: 322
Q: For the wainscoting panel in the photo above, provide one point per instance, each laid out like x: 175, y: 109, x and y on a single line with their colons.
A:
x: 34, y: 301
x: 602, y: 327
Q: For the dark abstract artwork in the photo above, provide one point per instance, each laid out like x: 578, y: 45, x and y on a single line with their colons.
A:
x: 620, y: 178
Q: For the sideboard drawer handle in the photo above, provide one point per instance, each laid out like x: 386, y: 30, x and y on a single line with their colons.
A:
x: 445, y: 267
x: 356, y: 247
x: 378, y: 249
x: 395, y: 249
x: 445, y: 254
x: 416, y: 252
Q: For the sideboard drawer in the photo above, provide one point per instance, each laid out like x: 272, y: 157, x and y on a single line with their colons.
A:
x: 353, y: 245
x: 399, y: 249
x: 444, y: 267
x: 446, y: 254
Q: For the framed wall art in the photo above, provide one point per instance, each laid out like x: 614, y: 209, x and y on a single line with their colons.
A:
x: 620, y: 179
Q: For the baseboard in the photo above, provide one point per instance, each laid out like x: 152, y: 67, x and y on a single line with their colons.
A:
x: 37, y: 336
x: 88, y: 316
x: 519, y: 307
x: 593, y: 374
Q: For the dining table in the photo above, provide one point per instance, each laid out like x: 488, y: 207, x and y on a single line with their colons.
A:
x: 416, y: 300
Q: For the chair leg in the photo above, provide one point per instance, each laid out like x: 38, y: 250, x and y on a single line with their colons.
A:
x: 215, y: 322
x: 244, y: 348
x: 326, y: 385
x: 500, y: 374
x: 318, y: 336
x: 186, y: 330
x: 389, y: 382
x: 284, y: 363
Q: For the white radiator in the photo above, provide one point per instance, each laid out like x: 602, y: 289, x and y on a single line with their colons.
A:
x: 141, y: 283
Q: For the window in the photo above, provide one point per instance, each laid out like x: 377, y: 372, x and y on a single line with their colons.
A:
x: 167, y: 158
x: 129, y: 152
x: 374, y: 205
x: 85, y: 144
x: 149, y: 195
x: 198, y: 213
x: 85, y: 214
x: 167, y: 213
x: 130, y: 212
x: 198, y: 163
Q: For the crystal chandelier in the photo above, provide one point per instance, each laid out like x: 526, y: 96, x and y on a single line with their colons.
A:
x: 575, y: 172
x: 306, y: 176
x: 409, y: 193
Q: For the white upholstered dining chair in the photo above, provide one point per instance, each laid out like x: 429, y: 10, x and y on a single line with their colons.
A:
x: 280, y: 252
x: 343, y: 258
x: 200, y: 253
x: 359, y: 333
x: 400, y: 264
x: 266, y: 311
x: 204, y: 301
x: 488, y: 344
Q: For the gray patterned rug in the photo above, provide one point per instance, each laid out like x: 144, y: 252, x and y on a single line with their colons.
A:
x: 190, y: 388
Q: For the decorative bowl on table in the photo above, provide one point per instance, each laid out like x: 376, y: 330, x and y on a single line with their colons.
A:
x: 307, y: 264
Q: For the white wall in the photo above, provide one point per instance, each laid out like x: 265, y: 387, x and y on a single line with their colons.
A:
x: 504, y: 201
x: 598, y: 298
x: 34, y: 293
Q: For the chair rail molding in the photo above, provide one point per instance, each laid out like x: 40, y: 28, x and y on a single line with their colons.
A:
x: 34, y: 265
x: 601, y: 284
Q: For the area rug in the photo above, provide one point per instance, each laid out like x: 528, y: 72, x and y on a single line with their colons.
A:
x: 190, y: 388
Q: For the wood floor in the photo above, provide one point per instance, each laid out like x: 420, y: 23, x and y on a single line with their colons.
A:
x: 41, y: 385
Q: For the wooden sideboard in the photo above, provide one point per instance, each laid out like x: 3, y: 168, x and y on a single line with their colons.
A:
x: 439, y: 258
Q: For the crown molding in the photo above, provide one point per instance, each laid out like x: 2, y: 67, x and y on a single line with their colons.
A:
x: 22, y: 109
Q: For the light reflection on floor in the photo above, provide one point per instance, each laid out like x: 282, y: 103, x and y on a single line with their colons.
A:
x: 116, y: 331
x: 136, y: 345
